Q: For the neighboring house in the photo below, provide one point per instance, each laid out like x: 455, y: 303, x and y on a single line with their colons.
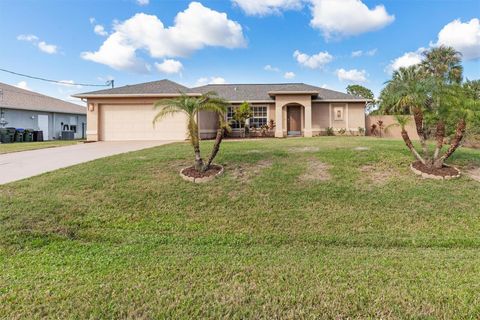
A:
x: 126, y: 113
x: 26, y: 109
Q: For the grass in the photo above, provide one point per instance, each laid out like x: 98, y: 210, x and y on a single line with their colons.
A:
x: 125, y: 237
x: 25, y: 146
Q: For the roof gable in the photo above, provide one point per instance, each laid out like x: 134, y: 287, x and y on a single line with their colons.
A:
x: 15, y: 98
x: 155, y: 87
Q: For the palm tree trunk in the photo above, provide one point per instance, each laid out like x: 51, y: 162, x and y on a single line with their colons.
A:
x: 410, y: 146
x: 439, y: 136
x: 216, y: 146
x: 193, y: 130
x: 459, y: 133
x: 418, y: 116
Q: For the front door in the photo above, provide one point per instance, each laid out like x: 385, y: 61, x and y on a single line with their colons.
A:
x: 294, y: 124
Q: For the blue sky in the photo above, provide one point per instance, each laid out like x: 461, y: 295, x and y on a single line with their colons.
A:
x: 329, y: 43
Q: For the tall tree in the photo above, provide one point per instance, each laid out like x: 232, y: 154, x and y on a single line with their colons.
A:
x: 363, y: 92
x: 433, y: 94
x: 191, y: 106
x: 443, y: 63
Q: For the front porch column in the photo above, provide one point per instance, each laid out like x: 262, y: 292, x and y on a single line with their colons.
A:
x: 308, y: 121
x: 278, y: 121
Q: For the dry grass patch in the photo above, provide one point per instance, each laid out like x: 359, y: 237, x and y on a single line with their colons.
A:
x: 247, y: 171
x: 303, y: 149
x: 361, y: 149
x: 377, y: 174
x: 316, y: 171
x: 473, y: 173
x: 254, y: 151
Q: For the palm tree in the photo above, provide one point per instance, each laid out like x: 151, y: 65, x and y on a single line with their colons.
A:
x: 402, y: 121
x: 191, y: 106
x: 443, y: 63
x: 409, y: 90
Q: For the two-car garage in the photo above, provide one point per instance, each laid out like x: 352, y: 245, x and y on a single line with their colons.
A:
x: 127, y: 113
x: 119, y: 122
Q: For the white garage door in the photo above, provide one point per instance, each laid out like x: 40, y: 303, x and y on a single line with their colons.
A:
x: 134, y: 122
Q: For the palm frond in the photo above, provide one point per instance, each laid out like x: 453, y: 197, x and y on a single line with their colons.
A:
x: 167, y: 110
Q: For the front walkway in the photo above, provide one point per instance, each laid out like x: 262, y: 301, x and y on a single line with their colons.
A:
x: 21, y: 165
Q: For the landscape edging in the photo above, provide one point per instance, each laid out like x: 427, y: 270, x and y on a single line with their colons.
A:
x: 200, y: 180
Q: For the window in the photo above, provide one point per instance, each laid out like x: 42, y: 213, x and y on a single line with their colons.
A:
x: 234, y: 124
x: 259, y: 116
x: 338, y: 113
x: 258, y: 119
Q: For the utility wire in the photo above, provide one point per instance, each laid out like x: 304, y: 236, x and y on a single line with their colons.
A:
x: 107, y: 84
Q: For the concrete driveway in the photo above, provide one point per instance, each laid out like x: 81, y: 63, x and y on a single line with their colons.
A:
x: 20, y: 165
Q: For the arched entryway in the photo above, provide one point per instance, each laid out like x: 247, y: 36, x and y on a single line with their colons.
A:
x: 293, y: 114
x: 294, y: 119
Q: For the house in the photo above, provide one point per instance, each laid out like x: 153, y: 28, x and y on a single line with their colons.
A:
x: 126, y: 113
x: 26, y: 109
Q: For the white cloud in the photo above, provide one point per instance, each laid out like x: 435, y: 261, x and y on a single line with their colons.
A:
x: 195, y: 28
x: 352, y: 75
x: 463, y: 36
x: 23, y: 85
x: 47, y: 48
x: 315, y: 61
x: 359, y: 53
x: 270, y: 68
x: 27, y: 37
x: 143, y: 2
x: 69, y: 83
x: 267, y: 7
x: 406, y: 60
x: 289, y: 75
x: 42, y: 45
x: 347, y: 17
x: 100, y: 30
x: 212, y: 80
x: 92, y: 20
x: 169, y: 66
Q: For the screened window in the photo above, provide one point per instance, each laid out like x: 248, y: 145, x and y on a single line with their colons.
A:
x: 234, y: 124
x: 258, y: 119
x: 259, y: 116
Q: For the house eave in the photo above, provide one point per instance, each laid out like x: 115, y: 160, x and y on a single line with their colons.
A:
x: 275, y: 93
x: 135, y: 95
x: 341, y: 100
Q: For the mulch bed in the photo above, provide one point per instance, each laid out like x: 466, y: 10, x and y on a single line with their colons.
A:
x: 441, y: 172
x: 193, y: 173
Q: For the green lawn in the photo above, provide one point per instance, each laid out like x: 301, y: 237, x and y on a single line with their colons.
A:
x: 358, y: 237
x: 25, y: 146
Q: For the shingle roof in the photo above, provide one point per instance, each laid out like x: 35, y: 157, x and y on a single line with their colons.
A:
x: 154, y: 87
x: 230, y: 92
x: 15, y: 98
x: 251, y: 92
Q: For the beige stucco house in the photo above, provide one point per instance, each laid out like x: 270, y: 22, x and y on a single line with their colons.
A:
x: 126, y: 113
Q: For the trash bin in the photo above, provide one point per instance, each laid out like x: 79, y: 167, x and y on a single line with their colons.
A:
x: 38, y: 136
x: 68, y: 135
x: 8, y: 135
x: 19, y: 132
x: 28, y: 135
x: 4, y: 136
